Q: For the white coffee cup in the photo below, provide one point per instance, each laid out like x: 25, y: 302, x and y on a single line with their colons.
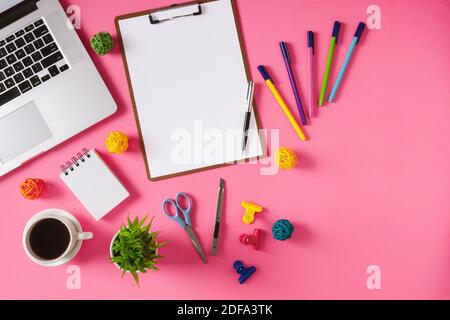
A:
x: 74, y: 231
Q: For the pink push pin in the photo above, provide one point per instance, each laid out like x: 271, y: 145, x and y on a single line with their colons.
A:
x: 252, y: 239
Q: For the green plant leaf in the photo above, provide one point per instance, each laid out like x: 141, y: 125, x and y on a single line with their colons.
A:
x: 162, y: 244
x: 151, y: 221
x: 141, y: 223
x: 136, y: 277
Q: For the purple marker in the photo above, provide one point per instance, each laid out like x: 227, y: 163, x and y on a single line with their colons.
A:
x: 288, y: 62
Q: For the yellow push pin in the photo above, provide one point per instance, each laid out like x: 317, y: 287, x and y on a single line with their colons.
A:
x: 250, y: 211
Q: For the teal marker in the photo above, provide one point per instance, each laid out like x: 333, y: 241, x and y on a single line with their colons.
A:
x: 355, y: 41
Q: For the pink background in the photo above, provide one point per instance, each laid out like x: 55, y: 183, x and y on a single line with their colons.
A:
x: 372, y: 187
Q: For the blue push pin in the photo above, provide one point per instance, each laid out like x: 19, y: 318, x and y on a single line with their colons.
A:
x: 243, y: 271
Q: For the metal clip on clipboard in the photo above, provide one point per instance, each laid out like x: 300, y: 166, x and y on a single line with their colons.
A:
x: 156, y: 21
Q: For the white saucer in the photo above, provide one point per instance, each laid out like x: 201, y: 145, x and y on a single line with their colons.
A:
x: 47, y: 213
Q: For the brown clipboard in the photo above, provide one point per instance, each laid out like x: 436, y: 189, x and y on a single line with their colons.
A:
x: 130, y: 86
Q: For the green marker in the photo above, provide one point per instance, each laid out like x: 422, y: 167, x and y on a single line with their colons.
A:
x: 333, y: 42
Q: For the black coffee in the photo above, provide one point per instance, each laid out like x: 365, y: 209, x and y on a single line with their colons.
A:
x: 49, y: 239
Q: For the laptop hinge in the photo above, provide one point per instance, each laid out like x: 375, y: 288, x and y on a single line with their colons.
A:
x: 17, y: 12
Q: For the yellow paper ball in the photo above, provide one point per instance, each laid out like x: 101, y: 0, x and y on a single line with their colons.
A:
x: 117, y: 142
x: 285, y: 159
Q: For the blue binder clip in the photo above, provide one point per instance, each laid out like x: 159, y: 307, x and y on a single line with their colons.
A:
x: 243, y: 271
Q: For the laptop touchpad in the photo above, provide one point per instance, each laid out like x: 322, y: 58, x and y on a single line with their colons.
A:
x: 22, y: 130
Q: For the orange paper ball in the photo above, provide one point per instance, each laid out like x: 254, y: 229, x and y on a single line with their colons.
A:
x: 32, y: 189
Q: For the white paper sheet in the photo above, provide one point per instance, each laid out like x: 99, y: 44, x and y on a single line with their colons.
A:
x: 189, y: 84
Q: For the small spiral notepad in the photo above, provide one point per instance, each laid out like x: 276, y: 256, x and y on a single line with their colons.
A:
x: 93, y: 183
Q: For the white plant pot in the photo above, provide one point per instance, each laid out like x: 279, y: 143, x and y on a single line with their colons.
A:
x: 111, y: 251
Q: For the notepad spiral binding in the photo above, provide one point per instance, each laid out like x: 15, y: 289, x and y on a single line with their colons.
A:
x: 75, y: 161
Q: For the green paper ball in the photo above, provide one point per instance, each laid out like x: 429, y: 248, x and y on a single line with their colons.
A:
x: 102, y: 43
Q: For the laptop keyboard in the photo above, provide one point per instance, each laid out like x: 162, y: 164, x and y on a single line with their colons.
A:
x: 28, y: 58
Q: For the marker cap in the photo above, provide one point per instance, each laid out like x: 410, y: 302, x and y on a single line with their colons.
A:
x: 265, y: 74
x: 285, y: 51
x: 359, y: 31
x: 311, y: 41
x: 336, y: 29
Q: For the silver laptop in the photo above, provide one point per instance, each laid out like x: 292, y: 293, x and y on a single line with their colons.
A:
x: 49, y: 87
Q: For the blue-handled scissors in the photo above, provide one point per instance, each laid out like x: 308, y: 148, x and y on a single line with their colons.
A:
x: 185, y: 223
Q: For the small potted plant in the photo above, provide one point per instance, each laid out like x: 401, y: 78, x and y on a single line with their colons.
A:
x: 134, y: 248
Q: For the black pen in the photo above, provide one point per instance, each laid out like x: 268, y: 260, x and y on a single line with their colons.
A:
x: 248, y: 114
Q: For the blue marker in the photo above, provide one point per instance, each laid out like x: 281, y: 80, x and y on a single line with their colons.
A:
x: 355, y: 41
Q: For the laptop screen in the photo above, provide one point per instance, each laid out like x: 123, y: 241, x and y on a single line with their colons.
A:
x: 7, y: 4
